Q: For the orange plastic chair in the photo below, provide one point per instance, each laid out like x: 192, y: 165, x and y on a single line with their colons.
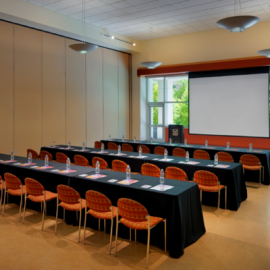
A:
x: 201, y: 154
x: 145, y: 149
x: 2, y: 187
x: 98, y: 144
x: 127, y: 147
x: 150, y: 170
x: 71, y: 201
x: 209, y: 182
x: 112, y: 146
x: 120, y: 166
x: 175, y: 173
x: 100, y: 207
x: 179, y: 152
x: 33, y: 152
x: 37, y: 193
x: 252, y: 163
x: 103, y: 165
x: 223, y: 156
x: 81, y: 161
x: 159, y: 150
x: 44, y: 153
x: 60, y: 157
x: 13, y: 187
x: 135, y: 216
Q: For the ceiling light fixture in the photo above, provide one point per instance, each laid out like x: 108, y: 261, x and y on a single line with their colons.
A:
x: 238, y: 22
x: 151, y: 64
x: 83, y: 48
x: 113, y: 37
x: 265, y: 52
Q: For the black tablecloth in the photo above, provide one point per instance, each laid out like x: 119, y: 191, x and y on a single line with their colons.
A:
x: 232, y: 176
x: 179, y: 205
x: 263, y: 155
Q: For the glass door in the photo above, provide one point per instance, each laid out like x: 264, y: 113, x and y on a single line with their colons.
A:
x: 156, y: 122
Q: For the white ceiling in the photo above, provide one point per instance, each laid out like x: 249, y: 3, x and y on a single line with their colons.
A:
x: 167, y: 17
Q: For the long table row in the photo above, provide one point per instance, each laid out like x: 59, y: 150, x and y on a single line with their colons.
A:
x: 180, y: 205
x: 229, y: 174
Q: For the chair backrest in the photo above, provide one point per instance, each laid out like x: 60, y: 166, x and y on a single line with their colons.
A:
x: 12, y: 181
x: 175, y: 173
x: 150, y: 170
x: 223, y: 156
x: 33, y: 152
x: 33, y: 187
x: 60, y: 157
x: 159, y: 150
x: 249, y: 160
x: 112, y: 146
x: 119, y: 165
x: 179, y: 152
x: 201, y: 154
x: 145, y: 149
x: 67, y: 194
x: 131, y: 210
x: 44, y: 153
x: 127, y: 147
x: 205, y: 178
x: 103, y: 165
x: 98, y: 144
x: 81, y: 161
x: 97, y: 201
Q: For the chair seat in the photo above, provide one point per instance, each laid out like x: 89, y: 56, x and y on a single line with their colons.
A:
x: 210, y: 188
x: 141, y: 225
x: 102, y: 215
x: 73, y: 206
x: 16, y: 192
x: 252, y: 168
x: 3, y: 185
x: 40, y: 198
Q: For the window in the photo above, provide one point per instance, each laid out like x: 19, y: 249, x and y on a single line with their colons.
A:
x: 167, y: 104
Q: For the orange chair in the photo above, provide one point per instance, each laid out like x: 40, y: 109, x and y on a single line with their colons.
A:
x: 120, y: 166
x: 44, y: 153
x: 201, y: 154
x: 135, y: 216
x: 2, y: 187
x: 81, y: 161
x: 33, y: 152
x: 252, y: 163
x: 112, y: 146
x: 209, y: 182
x: 71, y: 201
x: 60, y: 157
x: 145, y: 149
x: 127, y: 147
x: 37, y: 193
x: 150, y: 170
x: 223, y: 156
x: 159, y: 150
x: 175, y: 173
x: 179, y: 152
x: 103, y: 165
x: 13, y: 187
x: 100, y: 207
x: 98, y: 144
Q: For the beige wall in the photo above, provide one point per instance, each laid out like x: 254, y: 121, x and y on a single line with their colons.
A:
x: 48, y: 91
x: 196, y: 47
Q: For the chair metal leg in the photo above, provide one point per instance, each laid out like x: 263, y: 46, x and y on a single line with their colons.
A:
x: 116, y: 234
x: 225, y: 197
x: 56, y: 218
x: 80, y: 221
x: 104, y: 225
x: 43, y: 214
x: 25, y: 199
x: 20, y: 212
x: 130, y: 234
x: 5, y: 191
x: 165, y: 235
x: 135, y: 236
x: 111, y: 236
x: 84, y: 227
x: 148, y: 244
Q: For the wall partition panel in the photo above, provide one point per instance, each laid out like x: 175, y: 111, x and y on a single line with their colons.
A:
x: 27, y: 89
x: 53, y: 89
x: 6, y: 87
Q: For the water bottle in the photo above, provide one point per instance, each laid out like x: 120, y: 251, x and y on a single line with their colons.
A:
x: 53, y: 143
x: 68, y: 144
x: 206, y: 143
x: 30, y: 158
x: 216, y: 159
x: 119, y: 150
x: 68, y: 165
x: 46, y: 161
x: 97, y: 168
x: 161, y: 179
x: 185, y: 142
x: 12, y: 155
x: 170, y: 141
x: 187, y: 156
x: 165, y: 154
x: 123, y: 138
x: 134, y: 138
x: 128, y: 172
x: 151, y: 140
x: 102, y: 148
x: 228, y: 145
x: 110, y: 137
x: 140, y: 151
x: 83, y: 146
x: 250, y: 147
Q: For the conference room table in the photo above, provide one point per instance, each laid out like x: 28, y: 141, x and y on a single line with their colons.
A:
x: 229, y: 174
x: 180, y: 204
x: 236, y: 152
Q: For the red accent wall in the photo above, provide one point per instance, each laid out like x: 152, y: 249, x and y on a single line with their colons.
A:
x: 243, y: 142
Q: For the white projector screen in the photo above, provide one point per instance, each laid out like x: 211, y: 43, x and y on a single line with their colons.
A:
x: 235, y: 105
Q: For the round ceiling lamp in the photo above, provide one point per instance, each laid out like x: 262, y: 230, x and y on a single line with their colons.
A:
x: 151, y: 64
x: 83, y: 48
x: 237, y: 23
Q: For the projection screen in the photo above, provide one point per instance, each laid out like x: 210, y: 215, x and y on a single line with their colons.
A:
x: 233, y: 105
